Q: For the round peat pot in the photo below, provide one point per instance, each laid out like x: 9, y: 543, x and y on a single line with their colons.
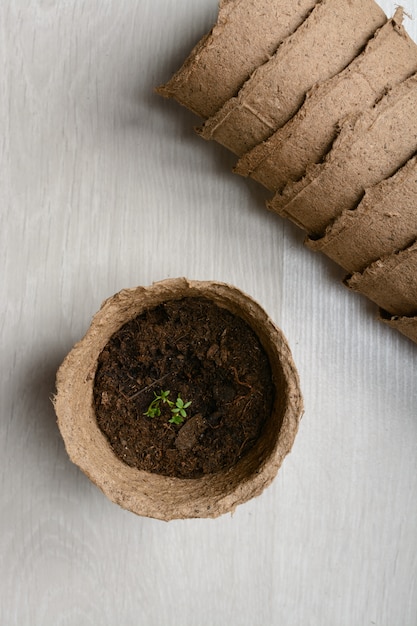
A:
x: 106, y: 416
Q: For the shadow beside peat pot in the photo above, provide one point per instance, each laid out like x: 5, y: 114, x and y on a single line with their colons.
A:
x: 181, y: 401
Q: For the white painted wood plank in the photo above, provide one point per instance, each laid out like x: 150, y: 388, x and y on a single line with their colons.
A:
x: 104, y: 185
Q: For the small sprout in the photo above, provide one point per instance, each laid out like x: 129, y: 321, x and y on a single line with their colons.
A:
x: 178, y: 408
x: 176, y: 419
x: 154, y: 409
x: 179, y: 411
x: 164, y: 397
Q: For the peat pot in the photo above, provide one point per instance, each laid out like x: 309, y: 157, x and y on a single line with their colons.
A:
x: 181, y: 400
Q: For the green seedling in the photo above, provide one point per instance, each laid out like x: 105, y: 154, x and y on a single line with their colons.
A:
x: 154, y: 409
x: 178, y: 411
x: 178, y: 408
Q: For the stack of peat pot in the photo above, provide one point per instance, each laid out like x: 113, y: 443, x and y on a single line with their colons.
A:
x: 319, y: 102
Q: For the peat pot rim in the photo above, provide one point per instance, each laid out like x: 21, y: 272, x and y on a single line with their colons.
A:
x: 153, y: 495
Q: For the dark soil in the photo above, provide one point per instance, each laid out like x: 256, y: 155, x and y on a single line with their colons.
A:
x: 210, y: 357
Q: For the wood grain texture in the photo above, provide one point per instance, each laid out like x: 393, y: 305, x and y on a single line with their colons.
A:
x: 104, y: 185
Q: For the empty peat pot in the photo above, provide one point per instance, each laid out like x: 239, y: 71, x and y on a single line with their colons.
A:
x: 181, y: 400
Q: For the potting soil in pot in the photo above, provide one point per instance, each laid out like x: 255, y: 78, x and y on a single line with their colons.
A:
x: 198, y: 352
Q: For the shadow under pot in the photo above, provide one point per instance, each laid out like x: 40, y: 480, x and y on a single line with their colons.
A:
x: 181, y: 401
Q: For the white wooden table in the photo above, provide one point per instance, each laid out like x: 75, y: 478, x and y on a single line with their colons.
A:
x: 104, y: 185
